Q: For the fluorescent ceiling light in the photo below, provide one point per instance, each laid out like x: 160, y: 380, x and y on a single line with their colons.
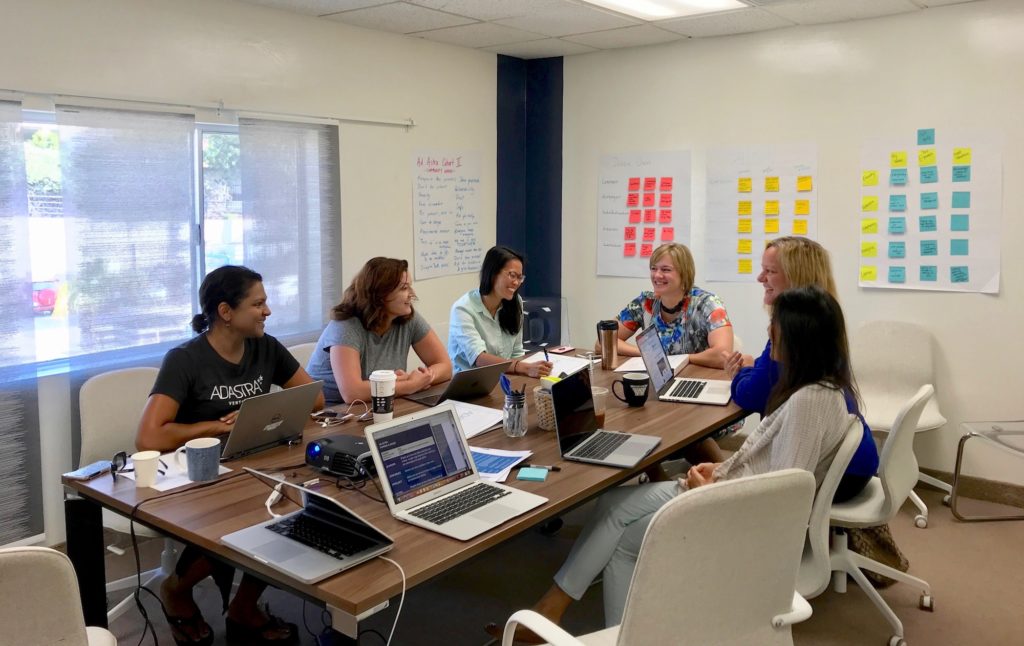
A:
x: 663, y: 9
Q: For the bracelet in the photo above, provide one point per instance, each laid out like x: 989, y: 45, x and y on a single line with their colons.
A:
x: 515, y: 364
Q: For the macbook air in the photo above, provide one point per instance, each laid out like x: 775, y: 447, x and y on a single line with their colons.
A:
x: 319, y: 539
x: 429, y: 479
x: 467, y: 384
x: 579, y: 438
x: 271, y: 419
x: 678, y: 389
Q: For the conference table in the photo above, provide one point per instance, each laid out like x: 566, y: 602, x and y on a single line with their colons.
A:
x: 200, y: 514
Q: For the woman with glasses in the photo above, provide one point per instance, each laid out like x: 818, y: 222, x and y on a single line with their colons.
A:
x: 486, y: 325
x: 372, y: 328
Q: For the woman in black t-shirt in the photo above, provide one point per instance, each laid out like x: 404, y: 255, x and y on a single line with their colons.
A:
x: 197, y: 394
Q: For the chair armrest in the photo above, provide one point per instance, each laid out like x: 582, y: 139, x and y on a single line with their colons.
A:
x: 99, y: 636
x: 800, y: 611
x: 539, y: 624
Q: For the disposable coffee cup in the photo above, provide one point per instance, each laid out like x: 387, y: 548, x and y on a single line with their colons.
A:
x: 202, y: 457
x: 382, y: 394
x: 600, y: 404
x: 145, y: 464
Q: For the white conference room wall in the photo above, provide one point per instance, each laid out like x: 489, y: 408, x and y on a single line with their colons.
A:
x: 258, y: 59
x: 834, y: 85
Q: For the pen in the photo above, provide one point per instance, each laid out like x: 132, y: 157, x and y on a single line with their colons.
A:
x: 546, y: 357
x: 539, y: 466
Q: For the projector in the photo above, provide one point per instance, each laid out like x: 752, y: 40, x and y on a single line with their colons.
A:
x: 341, y: 455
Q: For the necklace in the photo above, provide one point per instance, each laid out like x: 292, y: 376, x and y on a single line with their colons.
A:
x: 673, y: 310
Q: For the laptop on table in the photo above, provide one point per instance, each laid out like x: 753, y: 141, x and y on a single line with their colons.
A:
x: 579, y: 438
x: 271, y: 419
x: 670, y: 388
x: 466, y: 384
x: 321, y: 538
x: 429, y: 478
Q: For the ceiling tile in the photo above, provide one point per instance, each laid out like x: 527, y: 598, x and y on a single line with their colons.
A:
x: 636, y: 36
x: 488, y: 9
x: 815, y: 12
x: 726, y: 23
x: 564, y: 19
x: 481, y: 34
x: 399, y: 17
x: 541, y: 49
x: 317, y: 7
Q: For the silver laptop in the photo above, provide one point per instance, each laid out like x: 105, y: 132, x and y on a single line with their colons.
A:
x: 579, y: 438
x: 271, y: 419
x: 429, y: 478
x: 670, y: 388
x: 466, y: 384
x: 319, y: 539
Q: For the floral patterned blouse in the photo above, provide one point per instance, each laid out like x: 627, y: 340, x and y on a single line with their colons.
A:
x: 702, y: 313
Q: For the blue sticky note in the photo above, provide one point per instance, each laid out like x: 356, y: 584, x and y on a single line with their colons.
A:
x: 897, y: 249
x: 897, y: 275
x: 929, y: 174
x: 960, y: 222
x: 959, y: 274
x: 925, y: 136
x: 533, y: 474
x: 926, y: 223
x: 961, y: 173
x: 897, y: 225
x: 961, y: 200
x: 929, y: 273
x: 898, y: 177
x: 897, y: 202
x: 958, y: 247
x: 930, y: 200
x: 929, y: 247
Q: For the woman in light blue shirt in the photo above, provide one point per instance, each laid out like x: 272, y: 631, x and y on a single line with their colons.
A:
x: 486, y: 324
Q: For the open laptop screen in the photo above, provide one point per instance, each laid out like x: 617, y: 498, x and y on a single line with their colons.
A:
x: 655, y: 358
x: 422, y: 455
x: 573, y: 402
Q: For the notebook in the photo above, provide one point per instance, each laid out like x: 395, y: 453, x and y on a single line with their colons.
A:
x: 670, y: 388
x: 319, y: 539
x: 466, y: 384
x: 579, y: 437
x: 271, y: 419
x: 429, y: 478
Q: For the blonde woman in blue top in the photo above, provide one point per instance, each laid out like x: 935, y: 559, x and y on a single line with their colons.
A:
x: 486, y: 325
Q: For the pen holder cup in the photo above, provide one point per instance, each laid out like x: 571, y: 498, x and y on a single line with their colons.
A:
x: 545, y: 408
x: 513, y: 415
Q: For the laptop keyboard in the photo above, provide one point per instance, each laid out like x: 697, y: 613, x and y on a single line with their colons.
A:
x: 321, y: 536
x: 688, y: 388
x: 462, y: 503
x: 601, y: 446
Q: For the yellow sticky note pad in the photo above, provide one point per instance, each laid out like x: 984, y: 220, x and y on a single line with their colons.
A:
x: 926, y: 157
x: 869, y: 203
x: 745, y: 185
x: 961, y: 155
x: 744, y: 225
x: 804, y: 183
x: 869, y: 225
x: 771, y: 207
x: 745, y: 266
x: 744, y: 246
x: 771, y: 184
x: 868, y: 272
x: 802, y: 207
x: 771, y: 225
x: 869, y: 250
x: 800, y: 227
x: 869, y: 178
x: 745, y: 207
x: 898, y: 159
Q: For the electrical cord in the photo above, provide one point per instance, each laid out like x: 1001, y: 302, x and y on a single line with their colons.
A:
x: 401, y: 599
x: 352, y: 485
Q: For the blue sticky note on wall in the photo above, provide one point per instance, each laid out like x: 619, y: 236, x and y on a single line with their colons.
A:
x: 958, y: 247
x: 959, y: 274
x: 897, y: 249
x: 929, y: 174
x: 897, y: 202
x: 930, y: 200
x: 897, y: 225
x: 926, y: 223
x: 961, y: 200
x: 897, y: 275
x: 925, y: 136
x: 898, y: 177
x: 961, y: 173
x: 929, y: 273
x: 961, y: 222
x: 929, y: 247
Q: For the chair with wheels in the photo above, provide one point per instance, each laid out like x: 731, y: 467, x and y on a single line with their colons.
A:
x: 302, y: 352
x: 760, y: 521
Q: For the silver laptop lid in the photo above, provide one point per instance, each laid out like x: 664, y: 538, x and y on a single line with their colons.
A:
x: 655, y: 358
x: 266, y: 420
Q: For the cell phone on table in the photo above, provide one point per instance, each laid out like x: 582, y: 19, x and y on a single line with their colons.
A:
x: 324, y: 414
x: 562, y: 349
x: 89, y: 471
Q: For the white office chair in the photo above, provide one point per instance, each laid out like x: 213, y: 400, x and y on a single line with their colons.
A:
x: 302, y: 352
x: 761, y: 521
x: 110, y: 405
x: 40, y: 601
x: 892, y: 360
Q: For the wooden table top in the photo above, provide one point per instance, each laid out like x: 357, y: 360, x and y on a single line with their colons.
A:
x: 200, y: 515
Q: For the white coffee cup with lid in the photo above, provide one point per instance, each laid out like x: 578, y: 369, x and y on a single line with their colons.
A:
x: 382, y: 394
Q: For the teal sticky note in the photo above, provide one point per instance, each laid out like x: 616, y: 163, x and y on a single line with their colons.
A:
x: 930, y: 200
x: 960, y: 222
x: 897, y: 225
x: 958, y: 247
x: 961, y: 173
x: 929, y: 273
x: 961, y: 199
x: 533, y: 474
x: 925, y: 136
x: 897, y: 249
x: 898, y: 177
x: 897, y: 274
x: 929, y: 247
x: 926, y: 223
x: 929, y: 174
x: 897, y: 202
x: 959, y: 275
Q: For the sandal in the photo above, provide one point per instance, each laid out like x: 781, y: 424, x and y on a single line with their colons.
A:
x: 240, y: 633
x: 179, y: 633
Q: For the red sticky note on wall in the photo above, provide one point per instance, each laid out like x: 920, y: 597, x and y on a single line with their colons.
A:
x: 634, y: 184
x: 666, y: 184
x: 648, y: 199
x: 646, y: 250
x: 650, y: 215
x: 630, y: 233
x: 634, y: 216
x: 650, y: 183
x: 668, y: 234
x: 665, y: 216
x: 629, y: 249
x: 665, y: 200
x: 648, y: 234
x: 633, y: 199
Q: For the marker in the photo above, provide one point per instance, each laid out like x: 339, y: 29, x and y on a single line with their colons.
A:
x: 539, y: 466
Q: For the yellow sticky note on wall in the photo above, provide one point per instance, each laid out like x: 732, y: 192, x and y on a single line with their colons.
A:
x: 771, y: 184
x: 745, y: 266
x: 771, y: 225
x: 744, y: 225
x: 745, y: 207
x: 804, y: 183
x: 961, y: 155
x: 800, y: 227
x: 898, y: 159
x: 869, y: 178
x: 868, y: 272
x: 869, y: 225
x: 869, y: 250
x: 771, y: 207
x: 926, y: 157
x: 869, y: 203
x: 745, y: 185
x: 744, y: 245
x: 802, y: 207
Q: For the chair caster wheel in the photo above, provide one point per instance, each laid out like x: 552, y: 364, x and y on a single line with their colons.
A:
x: 945, y: 500
x: 927, y: 603
x: 896, y: 640
x: 921, y: 521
